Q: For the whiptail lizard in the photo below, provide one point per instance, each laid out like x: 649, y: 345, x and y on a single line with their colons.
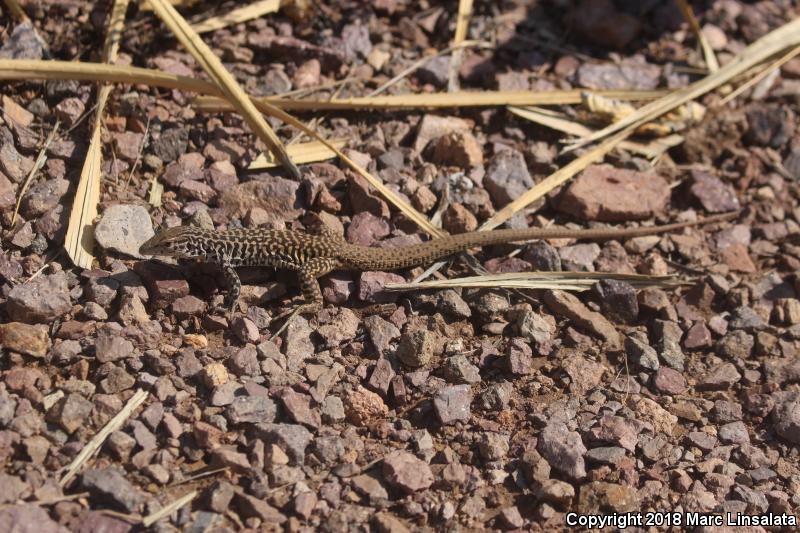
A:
x: 314, y: 254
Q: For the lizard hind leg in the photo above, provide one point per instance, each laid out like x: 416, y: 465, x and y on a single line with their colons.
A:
x: 312, y: 295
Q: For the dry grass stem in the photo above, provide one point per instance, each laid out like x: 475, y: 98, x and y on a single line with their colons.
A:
x: 241, y: 14
x: 97, y: 441
x: 212, y: 65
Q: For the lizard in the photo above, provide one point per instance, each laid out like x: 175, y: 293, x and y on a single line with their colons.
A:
x: 312, y: 254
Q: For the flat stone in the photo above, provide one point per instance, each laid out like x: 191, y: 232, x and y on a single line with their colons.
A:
x: 610, y: 194
x: 124, y: 228
x: 712, y: 193
x: 41, y: 301
x: 569, y: 306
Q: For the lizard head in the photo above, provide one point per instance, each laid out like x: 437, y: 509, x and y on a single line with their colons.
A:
x: 179, y: 241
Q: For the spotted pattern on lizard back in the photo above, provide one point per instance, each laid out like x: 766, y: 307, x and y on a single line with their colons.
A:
x: 314, y: 254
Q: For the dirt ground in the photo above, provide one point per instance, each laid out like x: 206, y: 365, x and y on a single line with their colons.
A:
x: 451, y: 410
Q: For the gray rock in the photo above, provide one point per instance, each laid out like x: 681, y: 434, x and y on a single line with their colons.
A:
x: 111, y: 485
x: 123, y: 228
x: 507, y: 177
x: 563, y: 449
x: 42, y: 300
x: 293, y: 438
x: 452, y: 404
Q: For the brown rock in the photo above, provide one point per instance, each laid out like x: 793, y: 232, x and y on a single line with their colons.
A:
x: 459, y: 149
x: 24, y: 338
x: 458, y: 219
x: 363, y: 406
x: 609, y: 194
x: 569, y: 306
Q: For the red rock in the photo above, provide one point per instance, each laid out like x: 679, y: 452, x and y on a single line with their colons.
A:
x: 609, y: 194
x: 458, y: 219
x: 737, y: 258
x: 127, y: 145
x: 370, y: 287
x: 69, y: 110
x: 407, y: 473
x: 365, y: 229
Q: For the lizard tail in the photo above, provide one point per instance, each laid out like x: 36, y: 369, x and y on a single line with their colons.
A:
x: 370, y: 258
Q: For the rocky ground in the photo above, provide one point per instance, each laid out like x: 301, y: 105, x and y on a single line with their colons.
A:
x: 458, y: 410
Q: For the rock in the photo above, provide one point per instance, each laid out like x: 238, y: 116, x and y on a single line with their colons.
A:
x: 609, y: 194
x: 584, y: 374
x: 714, y: 195
x: 563, y: 449
x: 24, y: 338
x: 617, y: 299
x: 617, y: 430
x: 662, y: 420
x: 109, y: 484
x: 599, y: 495
x: 458, y: 369
x: 786, y: 417
x: 251, y: 410
x: 628, y: 75
x: 452, y: 404
x: 493, y: 446
x: 27, y: 517
x: 721, y: 377
x: 110, y: 348
x: 384, y: 522
x: 416, y: 347
x: 245, y: 330
x: 292, y: 438
x: 458, y: 149
x: 507, y: 177
x: 366, y: 229
x: 171, y: 144
x: 435, y: 71
x: 128, y: 144
x: 668, y: 336
x: 370, y: 286
x: 23, y: 43
x: 736, y: 258
x: 42, y: 300
x: 458, y: 219
x: 641, y: 352
x: 736, y: 345
x: 188, y: 306
x: 579, y: 257
x: 569, y: 306
x: 298, y: 407
x: 434, y: 126
x: 734, y: 433
x: 356, y: 40
x: 363, y: 406
x: 556, y: 491
x: 519, y: 357
x: 307, y: 75
x: 252, y: 507
x: 70, y: 412
x: 117, y: 381
x: 404, y: 471
x: 279, y: 197
x: 381, y: 333
x: 669, y: 381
